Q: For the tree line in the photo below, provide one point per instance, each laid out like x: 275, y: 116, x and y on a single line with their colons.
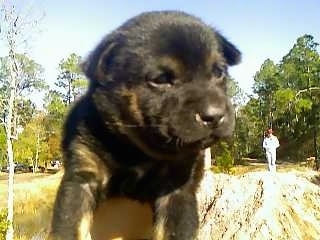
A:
x: 37, y: 133
x: 286, y: 97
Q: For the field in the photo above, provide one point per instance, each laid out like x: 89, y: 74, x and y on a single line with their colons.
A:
x: 34, y: 196
x: 33, y: 199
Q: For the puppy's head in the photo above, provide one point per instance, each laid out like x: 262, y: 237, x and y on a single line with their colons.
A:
x: 160, y: 79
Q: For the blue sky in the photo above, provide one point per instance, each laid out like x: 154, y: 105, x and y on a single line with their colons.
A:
x: 260, y: 29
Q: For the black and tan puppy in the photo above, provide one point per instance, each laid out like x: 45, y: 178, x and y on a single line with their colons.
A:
x: 157, y: 98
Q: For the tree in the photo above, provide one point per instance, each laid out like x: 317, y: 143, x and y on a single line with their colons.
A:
x: 71, y: 85
x: 250, y: 125
x: 238, y: 99
x: 25, y: 111
x: 266, y: 82
x: 10, y: 18
x: 31, y: 142
x: 29, y: 77
x: 55, y: 110
x: 2, y: 146
x: 224, y: 160
x: 301, y: 70
x: 15, y: 32
x: 71, y: 81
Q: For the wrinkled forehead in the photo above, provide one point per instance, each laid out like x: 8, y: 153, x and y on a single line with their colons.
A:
x: 193, y: 45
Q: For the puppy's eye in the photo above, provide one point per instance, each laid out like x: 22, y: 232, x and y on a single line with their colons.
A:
x: 218, y: 71
x: 165, y: 78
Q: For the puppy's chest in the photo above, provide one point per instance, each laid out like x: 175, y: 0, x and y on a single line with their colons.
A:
x: 147, y: 182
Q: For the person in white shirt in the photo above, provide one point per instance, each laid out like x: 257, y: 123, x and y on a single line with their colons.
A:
x: 270, y: 144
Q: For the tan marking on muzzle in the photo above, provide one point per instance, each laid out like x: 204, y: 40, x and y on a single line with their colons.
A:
x: 133, y: 105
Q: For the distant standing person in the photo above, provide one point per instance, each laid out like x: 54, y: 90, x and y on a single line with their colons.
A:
x: 270, y: 144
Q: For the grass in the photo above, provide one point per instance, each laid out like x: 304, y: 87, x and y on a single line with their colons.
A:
x: 33, y: 200
x: 242, y: 169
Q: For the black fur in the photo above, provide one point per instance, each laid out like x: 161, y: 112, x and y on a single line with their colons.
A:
x: 157, y: 98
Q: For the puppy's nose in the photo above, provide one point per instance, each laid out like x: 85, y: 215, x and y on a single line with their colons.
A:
x: 213, y: 116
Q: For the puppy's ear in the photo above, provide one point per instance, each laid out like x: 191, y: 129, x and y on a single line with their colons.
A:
x: 230, y: 52
x: 98, y: 64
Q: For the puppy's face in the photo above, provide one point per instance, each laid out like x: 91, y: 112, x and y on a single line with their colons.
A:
x: 161, y: 78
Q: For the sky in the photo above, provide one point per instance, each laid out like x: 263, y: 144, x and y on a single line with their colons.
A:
x: 260, y: 29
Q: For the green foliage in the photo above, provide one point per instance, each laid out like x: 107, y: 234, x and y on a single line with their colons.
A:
x: 302, y: 105
x: 71, y: 85
x: 56, y: 110
x: 29, y: 75
x: 26, y: 110
x: 282, y: 98
x: 55, y: 107
x: 265, y: 79
x: 3, y: 223
x: 71, y: 81
x: 3, y: 146
x: 25, y: 146
x: 287, y: 96
x: 235, y: 92
x: 223, y: 157
x: 51, y: 151
x: 250, y: 124
x: 38, y: 143
x: 29, y: 79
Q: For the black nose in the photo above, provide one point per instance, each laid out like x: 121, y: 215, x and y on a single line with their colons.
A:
x: 213, y: 115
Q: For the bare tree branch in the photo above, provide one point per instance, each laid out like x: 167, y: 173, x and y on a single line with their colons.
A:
x: 307, y: 90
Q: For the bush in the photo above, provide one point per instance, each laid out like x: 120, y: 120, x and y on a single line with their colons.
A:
x: 3, y: 223
x: 223, y: 158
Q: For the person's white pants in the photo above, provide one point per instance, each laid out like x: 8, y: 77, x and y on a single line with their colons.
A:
x: 271, y: 158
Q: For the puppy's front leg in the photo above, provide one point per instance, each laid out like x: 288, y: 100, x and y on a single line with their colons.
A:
x: 73, y: 208
x: 176, y: 217
x: 77, y: 196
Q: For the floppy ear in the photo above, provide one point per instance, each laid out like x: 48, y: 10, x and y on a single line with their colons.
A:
x: 230, y: 52
x: 97, y: 65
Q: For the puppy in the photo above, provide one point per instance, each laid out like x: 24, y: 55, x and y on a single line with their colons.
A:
x: 156, y: 99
